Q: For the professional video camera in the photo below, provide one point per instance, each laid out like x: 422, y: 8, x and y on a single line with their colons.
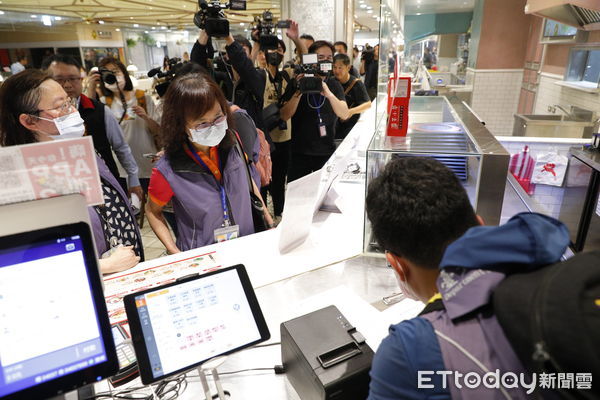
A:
x: 164, y: 78
x: 211, y: 16
x: 265, y: 27
x: 312, y: 69
x: 368, y: 54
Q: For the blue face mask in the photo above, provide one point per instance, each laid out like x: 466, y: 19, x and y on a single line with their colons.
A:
x: 210, y: 135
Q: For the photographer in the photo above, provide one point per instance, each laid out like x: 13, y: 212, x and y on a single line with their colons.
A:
x: 133, y: 109
x: 356, y: 95
x: 314, y: 117
x: 369, y: 67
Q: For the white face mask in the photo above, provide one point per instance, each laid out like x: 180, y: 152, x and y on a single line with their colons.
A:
x: 69, y: 126
x: 405, y: 288
x: 120, y: 84
x: 210, y: 136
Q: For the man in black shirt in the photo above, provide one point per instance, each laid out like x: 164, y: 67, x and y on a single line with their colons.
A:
x: 342, y: 48
x: 356, y: 94
x: 369, y: 67
x: 314, y: 117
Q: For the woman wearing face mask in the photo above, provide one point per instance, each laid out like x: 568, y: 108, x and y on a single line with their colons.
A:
x: 202, y: 172
x: 35, y: 108
x: 139, y: 129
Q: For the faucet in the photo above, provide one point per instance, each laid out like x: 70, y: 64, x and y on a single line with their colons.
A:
x: 561, y: 108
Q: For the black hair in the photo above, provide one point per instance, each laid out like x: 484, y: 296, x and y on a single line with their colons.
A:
x: 60, y: 58
x: 280, y: 42
x: 243, y: 41
x: 321, y: 43
x: 343, y: 58
x: 307, y: 36
x: 20, y: 94
x: 417, y: 207
x: 191, y: 68
x: 341, y: 44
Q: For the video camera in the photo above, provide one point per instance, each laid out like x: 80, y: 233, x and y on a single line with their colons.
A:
x: 211, y: 16
x: 265, y: 26
x: 312, y: 69
x: 368, y: 55
x: 164, y: 78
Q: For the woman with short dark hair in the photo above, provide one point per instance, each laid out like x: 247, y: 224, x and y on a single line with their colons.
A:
x: 203, y: 171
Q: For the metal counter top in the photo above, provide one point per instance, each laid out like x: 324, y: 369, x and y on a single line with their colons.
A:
x: 589, y: 156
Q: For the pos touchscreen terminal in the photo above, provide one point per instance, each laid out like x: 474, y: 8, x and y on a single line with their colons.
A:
x: 178, y: 326
x: 54, y: 330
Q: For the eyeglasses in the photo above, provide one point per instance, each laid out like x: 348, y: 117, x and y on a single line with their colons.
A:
x: 64, y: 108
x: 72, y: 80
x: 207, y: 125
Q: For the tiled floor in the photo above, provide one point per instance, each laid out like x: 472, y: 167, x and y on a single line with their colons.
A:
x: 153, y: 248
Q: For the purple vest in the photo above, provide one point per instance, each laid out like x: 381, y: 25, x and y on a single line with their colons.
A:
x: 197, y: 199
x: 96, y: 223
x: 465, y: 291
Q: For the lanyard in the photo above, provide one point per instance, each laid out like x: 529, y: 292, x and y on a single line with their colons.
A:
x: 217, y: 174
x: 318, y: 108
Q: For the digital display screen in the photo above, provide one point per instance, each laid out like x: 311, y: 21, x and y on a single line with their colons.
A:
x: 194, y: 321
x: 556, y: 29
x: 48, y: 323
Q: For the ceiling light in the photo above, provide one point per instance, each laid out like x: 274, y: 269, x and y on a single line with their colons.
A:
x: 130, y: 17
x: 369, y: 8
x: 241, y: 24
x: 153, y: 27
x: 369, y: 11
x: 58, y: 18
x: 357, y: 30
x: 145, y: 31
x: 118, y: 30
x: 136, y: 25
x: 101, y: 22
x: 1, y: 12
x: 363, y: 6
x: 46, y: 20
x: 33, y: 16
x: 418, y: 13
x: 163, y: 27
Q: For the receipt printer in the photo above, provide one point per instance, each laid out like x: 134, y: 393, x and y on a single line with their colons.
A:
x: 325, y: 357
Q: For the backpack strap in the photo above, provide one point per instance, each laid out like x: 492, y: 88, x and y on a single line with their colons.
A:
x: 349, y: 88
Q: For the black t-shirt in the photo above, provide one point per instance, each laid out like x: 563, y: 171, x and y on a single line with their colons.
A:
x: 355, y: 97
x: 372, y: 69
x: 306, y: 136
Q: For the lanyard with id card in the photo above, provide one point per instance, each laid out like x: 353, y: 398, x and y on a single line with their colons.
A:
x: 322, y: 126
x: 227, y: 231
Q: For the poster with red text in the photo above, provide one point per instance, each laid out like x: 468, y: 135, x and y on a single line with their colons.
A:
x: 49, y: 169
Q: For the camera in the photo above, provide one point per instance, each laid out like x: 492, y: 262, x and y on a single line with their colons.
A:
x: 211, y: 16
x: 107, y: 76
x: 312, y: 69
x: 368, y: 55
x: 165, y: 78
x: 265, y: 26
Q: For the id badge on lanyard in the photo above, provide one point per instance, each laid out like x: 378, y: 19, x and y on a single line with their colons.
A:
x: 322, y: 126
x: 226, y: 231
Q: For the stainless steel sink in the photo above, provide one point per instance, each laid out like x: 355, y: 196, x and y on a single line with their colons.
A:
x: 542, y: 125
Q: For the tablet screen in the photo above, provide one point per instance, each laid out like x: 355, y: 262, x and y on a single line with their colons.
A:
x: 180, y: 325
x: 54, y: 326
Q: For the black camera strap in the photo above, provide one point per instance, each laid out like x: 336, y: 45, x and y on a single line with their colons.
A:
x: 124, y: 102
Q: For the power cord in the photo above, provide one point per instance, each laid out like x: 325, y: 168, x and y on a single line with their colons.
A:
x: 168, y: 389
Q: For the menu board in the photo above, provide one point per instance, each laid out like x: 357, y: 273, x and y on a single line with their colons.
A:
x: 118, y: 286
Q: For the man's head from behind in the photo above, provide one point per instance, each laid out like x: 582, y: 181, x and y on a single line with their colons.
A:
x: 417, y: 207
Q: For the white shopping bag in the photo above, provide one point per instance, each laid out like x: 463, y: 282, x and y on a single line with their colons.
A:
x: 550, y: 169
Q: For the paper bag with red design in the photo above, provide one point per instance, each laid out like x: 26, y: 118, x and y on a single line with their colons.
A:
x: 398, y: 115
x: 550, y: 169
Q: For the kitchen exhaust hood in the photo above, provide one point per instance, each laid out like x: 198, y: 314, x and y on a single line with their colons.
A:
x: 582, y: 14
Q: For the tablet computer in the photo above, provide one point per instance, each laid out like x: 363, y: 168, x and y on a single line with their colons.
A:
x: 55, y: 334
x: 178, y: 326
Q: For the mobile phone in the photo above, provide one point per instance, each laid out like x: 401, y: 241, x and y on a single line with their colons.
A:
x: 150, y: 155
x: 128, y: 366
x: 285, y: 24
